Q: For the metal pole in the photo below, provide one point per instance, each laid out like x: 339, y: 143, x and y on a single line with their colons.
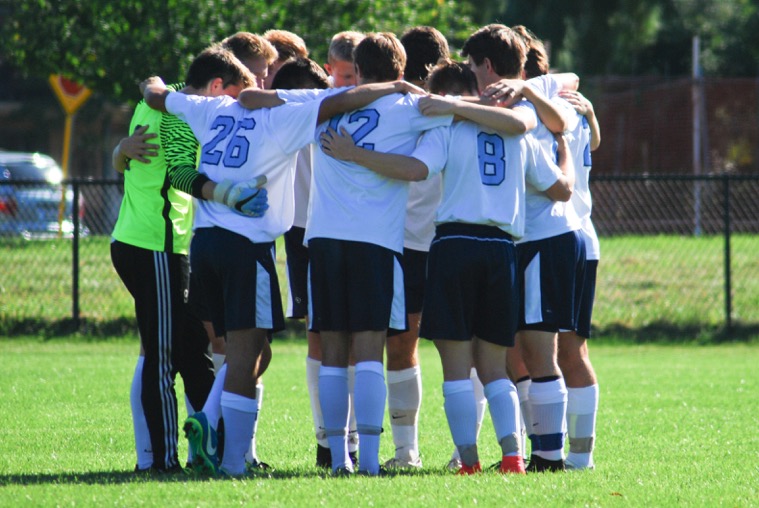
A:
x: 75, y: 258
x: 696, y: 105
x: 728, y: 282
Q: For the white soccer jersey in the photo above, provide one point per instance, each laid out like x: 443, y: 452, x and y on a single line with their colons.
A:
x: 238, y: 145
x: 423, y: 200
x: 302, y: 186
x: 485, y: 174
x: 547, y: 218
x: 351, y: 202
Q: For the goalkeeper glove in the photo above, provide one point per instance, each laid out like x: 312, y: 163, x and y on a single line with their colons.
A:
x: 246, y: 198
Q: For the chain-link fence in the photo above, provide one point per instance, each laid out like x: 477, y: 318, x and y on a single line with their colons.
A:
x: 678, y: 258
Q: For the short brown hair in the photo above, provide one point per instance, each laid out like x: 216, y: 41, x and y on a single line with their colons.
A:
x: 217, y: 62
x: 287, y: 43
x: 342, y: 45
x: 300, y: 73
x: 248, y: 45
x: 380, y: 57
x: 501, y: 45
x: 424, y: 46
x: 537, y: 56
x: 452, y: 78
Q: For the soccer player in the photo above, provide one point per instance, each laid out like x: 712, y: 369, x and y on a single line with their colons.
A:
x: 339, y: 64
x: 288, y: 45
x: 240, y: 146
x: 254, y: 51
x: 355, y: 239
x: 424, y: 47
x: 471, y: 306
x: 149, y: 252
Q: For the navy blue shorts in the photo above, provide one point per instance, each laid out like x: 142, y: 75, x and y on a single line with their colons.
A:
x: 471, y: 285
x: 588, y: 297
x: 551, y: 272
x: 297, y: 273
x: 414, y: 278
x: 355, y: 287
x: 236, y: 281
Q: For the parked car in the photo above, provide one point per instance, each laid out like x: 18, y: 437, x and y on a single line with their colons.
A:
x: 30, y: 198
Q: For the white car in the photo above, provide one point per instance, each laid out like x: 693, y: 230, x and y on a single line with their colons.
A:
x: 30, y: 198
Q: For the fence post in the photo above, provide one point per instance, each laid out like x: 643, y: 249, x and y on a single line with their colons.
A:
x: 728, y: 284
x: 75, y: 258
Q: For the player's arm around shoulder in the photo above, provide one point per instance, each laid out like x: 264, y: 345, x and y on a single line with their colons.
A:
x: 154, y: 91
x: 363, y: 95
x: 134, y: 147
x: 511, y: 121
x: 584, y: 107
x: 562, y: 189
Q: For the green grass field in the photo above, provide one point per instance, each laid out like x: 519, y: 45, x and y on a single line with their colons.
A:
x: 677, y: 427
x: 649, y: 288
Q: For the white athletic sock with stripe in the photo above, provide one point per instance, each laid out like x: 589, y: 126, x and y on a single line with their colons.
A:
x: 548, y: 405
x: 369, y: 397
x: 239, y: 415
x: 404, y: 398
x: 461, y: 413
x: 504, y: 403
x: 142, y: 444
x: 481, y: 402
x: 523, y: 390
x: 212, y: 407
x: 352, y: 431
x: 333, y: 397
x: 312, y: 382
x: 252, y: 454
x: 582, y: 407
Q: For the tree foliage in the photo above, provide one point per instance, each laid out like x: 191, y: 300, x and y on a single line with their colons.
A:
x: 110, y: 46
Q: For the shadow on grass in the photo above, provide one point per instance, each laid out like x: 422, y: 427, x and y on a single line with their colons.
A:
x: 664, y: 332
x: 120, y: 477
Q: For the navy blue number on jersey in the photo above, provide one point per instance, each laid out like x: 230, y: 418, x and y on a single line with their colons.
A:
x: 491, y: 155
x: 370, y: 121
x: 236, y: 152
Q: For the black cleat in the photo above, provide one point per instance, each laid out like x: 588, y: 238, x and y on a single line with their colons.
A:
x: 323, y: 457
x: 540, y: 465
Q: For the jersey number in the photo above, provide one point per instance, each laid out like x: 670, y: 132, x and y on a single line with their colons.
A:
x: 370, y: 118
x: 491, y: 156
x: 236, y: 152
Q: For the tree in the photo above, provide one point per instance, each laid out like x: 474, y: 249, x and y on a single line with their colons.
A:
x: 111, y: 46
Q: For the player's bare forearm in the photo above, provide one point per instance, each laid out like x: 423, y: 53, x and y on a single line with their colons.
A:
x: 391, y: 165
x: 255, y: 98
x: 551, y: 116
x: 154, y: 92
x: 362, y: 95
x: 134, y: 147
x: 584, y: 107
x: 564, y: 186
x: 509, y: 121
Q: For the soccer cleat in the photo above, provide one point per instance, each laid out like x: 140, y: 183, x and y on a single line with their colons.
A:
x: 203, y: 442
x: 398, y: 463
x: 382, y: 472
x: 323, y: 456
x: 354, y: 457
x: 343, y: 472
x: 454, y: 464
x: 512, y: 465
x: 540, y: 465
x: 465, y: 470
x: 156, y: 471
x: 570, y: 466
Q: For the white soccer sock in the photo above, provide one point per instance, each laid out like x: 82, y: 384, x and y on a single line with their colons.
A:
x: 218, y: 361
x: 548, y: 404
x: 479, y: 398
x: 404, y: 398
x: 142, y: 444
x: 212, y: 407
x: 369, y: 397
x: 504, y: 403
x: 582, y: 407
x: 190, y: 412
x: 461, y: 413
x: 333, y: 397
x: 312, y: 382
x: 239, y: 414
x: 352, y: 432
x: 523, y: 390
x: 252, y: 455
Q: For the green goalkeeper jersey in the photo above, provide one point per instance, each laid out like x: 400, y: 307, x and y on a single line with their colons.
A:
x: 156, y: 211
